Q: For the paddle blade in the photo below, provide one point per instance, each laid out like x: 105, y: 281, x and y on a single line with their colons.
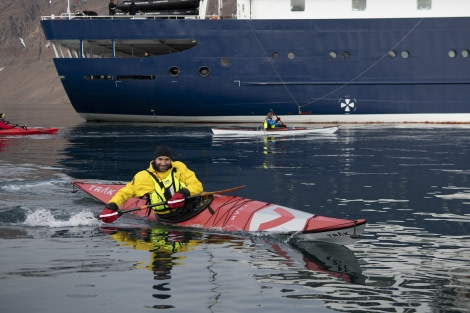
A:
x: 109, y: 216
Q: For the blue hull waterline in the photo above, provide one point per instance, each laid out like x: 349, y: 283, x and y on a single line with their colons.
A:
x: 233, y: 70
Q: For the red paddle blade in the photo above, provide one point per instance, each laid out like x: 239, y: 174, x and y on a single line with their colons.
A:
x: 109, y: 217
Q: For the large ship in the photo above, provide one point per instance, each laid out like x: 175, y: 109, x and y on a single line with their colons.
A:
x: 310, y: 61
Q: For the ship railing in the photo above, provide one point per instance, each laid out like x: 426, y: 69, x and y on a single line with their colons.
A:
x: 65, y: 16
x: 69, y: 16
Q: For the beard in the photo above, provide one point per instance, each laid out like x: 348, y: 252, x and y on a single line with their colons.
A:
x: 161, y: 167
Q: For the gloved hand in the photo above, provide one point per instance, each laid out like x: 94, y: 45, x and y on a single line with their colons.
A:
x: 278, y: 119
x: 178, y: 199
x: 109, y: 213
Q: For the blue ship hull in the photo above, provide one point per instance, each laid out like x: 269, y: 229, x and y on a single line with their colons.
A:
x: 308, y: 71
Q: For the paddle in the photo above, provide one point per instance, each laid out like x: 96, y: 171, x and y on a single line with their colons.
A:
x: 111, y: 217
x: 279, y: 119
x: 16, y: 125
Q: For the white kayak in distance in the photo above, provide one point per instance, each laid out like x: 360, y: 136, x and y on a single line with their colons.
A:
x: 281, y: 131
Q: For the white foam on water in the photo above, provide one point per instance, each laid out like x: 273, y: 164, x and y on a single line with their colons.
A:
x: 44, y: 217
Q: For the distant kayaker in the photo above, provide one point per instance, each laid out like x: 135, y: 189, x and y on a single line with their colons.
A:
x: 5, y: 124
x: 165, y: 181
x: 271, y: 121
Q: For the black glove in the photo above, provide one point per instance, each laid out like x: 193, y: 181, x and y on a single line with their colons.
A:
x: 112, y: 206
x: 185, y: 192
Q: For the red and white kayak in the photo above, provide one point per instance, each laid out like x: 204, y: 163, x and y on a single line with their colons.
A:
x: 286, y: 131
x: 28, y: 131
x: 237, y: 214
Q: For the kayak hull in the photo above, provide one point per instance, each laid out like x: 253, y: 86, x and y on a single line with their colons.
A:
x: 28, y: 131
x: 288, y: 131
x: 234, y: 214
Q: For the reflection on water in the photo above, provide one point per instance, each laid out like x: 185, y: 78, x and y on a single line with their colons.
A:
x: 393, y: 269
x: 375, y: 277
x: 416, y: 269
x: 281, y: 262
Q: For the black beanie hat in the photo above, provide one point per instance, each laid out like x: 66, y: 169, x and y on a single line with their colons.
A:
x: 163, y: 151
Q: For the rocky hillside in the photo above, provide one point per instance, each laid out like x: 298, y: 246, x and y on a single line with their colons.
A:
x: 27, y: 73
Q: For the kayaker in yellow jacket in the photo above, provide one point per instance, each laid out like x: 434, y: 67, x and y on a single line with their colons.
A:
x: 272, y: 121
x: 165, y: 181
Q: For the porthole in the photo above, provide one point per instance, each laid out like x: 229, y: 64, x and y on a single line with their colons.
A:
x: 465, y: 53
x: 405, y: 54
x: 224, y: 62
x: 392, y: 54
x: 345, y: 55
x: 174, y: 71
x: 452, y: 54
x: 332, y: 55
x: 204, y: 71
x: 276, y: 55
x: 291, y: 55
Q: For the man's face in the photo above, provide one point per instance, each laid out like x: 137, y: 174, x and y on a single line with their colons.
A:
x: 163, y: 163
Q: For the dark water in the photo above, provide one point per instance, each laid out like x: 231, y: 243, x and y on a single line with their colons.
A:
x: 410, y: 182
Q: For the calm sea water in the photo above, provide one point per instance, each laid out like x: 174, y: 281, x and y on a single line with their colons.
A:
x: 410, y: 182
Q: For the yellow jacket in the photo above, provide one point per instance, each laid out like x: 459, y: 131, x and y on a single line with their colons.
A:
x: 143, y: 183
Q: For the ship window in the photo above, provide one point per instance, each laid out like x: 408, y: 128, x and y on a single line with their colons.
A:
x: 424, y: 4
x: 346, y: 54
x: 332, y: 55
x: 121, y: 48
x: 154, y: 47
x: 98, y: 77
x: 174, y: 71
x: 359, y: 5
x: 405, y: 54
x: 291, y: 55
x: 135, y: 77
x: 97, y: 48
x: 452, y: 53
x: 392, y: 54
x: 297, y: 5
x: 224, y: 62
x: 204, y: 71
x: 465, y: 53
